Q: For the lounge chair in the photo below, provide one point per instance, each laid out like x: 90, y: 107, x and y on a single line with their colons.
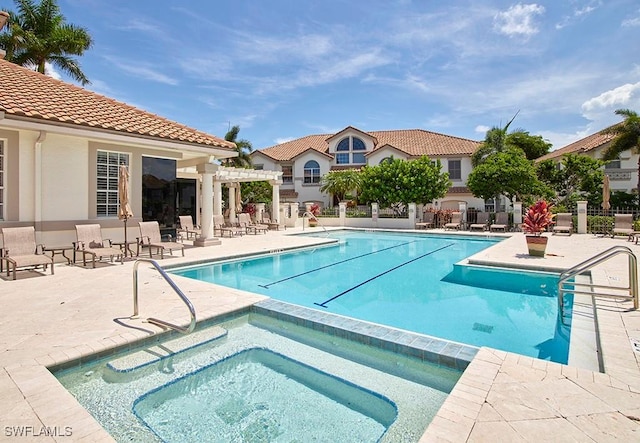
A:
x: 272, y: 225
x: 188, y: 228
x: 90, y: 242
x: 427, y: 220
x: 20, y: 250
x: 564, y: 223
x: 501, y: 223
x: 456, y: 221
x: 222, y: 227
x: 244, y: 220
x: 482, y: 222
x: 150, y: 237
x: 622, y: 224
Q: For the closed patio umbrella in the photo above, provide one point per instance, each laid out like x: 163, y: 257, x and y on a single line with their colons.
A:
x: 606, y: 193
x: 124, y: 213
x: 238, y: 199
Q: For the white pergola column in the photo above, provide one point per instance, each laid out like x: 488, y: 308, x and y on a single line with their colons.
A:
x: 207, y: 170
x: 232, y: 201
x: 217, y: 197
x: 275, y: 200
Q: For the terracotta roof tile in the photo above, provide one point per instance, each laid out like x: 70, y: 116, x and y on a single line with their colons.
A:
x: 413, y: 142
x: 26, y: 93
x: 586, y: 144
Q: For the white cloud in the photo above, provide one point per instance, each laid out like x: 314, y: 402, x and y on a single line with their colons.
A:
x: 518, y: 20
x: 148, y: 73
x: 280, y: 140
x: 482, y: 129
x: 51, y: 71
x: 620, y: 96
x: 633, y: 21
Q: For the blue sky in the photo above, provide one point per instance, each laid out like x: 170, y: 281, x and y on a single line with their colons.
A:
x: 283, y: 69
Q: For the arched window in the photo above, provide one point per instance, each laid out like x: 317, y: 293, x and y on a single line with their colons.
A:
x: 350, y: 150
x: 386, y: 160
x: 311, y: 172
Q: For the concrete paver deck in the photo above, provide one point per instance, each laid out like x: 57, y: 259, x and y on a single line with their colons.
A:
x: 78, y: 312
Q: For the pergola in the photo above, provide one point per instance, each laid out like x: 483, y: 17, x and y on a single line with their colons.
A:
x: 213, y: 176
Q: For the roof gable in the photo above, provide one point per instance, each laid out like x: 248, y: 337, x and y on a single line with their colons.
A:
x: 581, y: 146
x: 29, y: 95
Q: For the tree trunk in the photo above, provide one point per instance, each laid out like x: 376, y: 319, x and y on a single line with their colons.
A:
x: 638, y: 184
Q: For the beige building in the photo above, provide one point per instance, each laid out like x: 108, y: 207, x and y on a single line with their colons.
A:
x: 60, y: 149
x: 623, y: 172
x: 305, y: 160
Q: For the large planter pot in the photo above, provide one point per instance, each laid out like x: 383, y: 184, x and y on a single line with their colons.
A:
x: 537, y: 244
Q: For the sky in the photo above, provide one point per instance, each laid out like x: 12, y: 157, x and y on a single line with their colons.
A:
x: 284, y: 69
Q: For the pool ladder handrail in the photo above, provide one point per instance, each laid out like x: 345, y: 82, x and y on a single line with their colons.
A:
x: 176, y: 289
x: 312, y: 215
x: 589, y: 264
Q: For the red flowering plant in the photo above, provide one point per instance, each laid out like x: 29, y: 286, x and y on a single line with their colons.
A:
x: 537, y: 218
x: 315, y: 209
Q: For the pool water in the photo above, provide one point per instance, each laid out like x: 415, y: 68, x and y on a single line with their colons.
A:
x: 254, y: 384
x: 257, y: 395
x: 410, y: 282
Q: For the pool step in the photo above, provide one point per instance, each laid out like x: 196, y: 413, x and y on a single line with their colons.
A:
x: 156, y: 353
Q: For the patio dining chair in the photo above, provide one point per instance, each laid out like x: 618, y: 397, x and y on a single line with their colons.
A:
x: 90, y: 242
x: 19, y: 250
x: 244, y: 220
x: 482, y: 222
x: 220, y: 226
x: 564, y: 223
x: 188, y: 228
x: 151, y: 238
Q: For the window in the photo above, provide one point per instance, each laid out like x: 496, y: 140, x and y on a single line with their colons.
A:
x: 349, y: 151
x: 613, y: 164
x: 258, y: 167
x: 311, y: 172
x: 386, y: 160
x: 287, y: 174
x: 2, y: 163
x: 455, y: 170
x: 107, y: 182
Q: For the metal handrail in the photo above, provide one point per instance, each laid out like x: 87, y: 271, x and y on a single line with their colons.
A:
x: 176, y: 289
x: 592, y: 262
x: 311, y: 214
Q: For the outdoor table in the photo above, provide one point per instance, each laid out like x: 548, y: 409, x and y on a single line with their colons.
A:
x: 60, y: 250
x: 125, y: 247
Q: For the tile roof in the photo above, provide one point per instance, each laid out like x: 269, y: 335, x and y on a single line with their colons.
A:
x: 581, y: 146
x: 26, y: 93
x: 413, y: 142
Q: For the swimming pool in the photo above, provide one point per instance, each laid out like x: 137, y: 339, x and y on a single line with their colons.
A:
x: 256, y: 378
x: 410, y: 282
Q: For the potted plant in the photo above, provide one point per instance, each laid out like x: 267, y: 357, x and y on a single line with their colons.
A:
x: 535, y: 222
x: 315, y: 210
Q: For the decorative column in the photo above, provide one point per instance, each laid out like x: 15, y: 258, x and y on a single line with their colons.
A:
x: 517, y: 215
x: 342, y: 209
x: 582, y: 217
x: 259, y: 212
x: 217, y: 197
x: 412, y: 216
x: 275, y: 200
x: 206, y: 238
x: 293, y: 219
x: 374, y: 212
x: 462, y: 207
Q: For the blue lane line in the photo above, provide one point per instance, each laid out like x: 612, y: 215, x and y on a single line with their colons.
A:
x: 323, y: 304
x: 336, y: 263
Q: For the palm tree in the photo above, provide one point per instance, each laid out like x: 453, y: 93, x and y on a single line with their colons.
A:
x: 243, y: 147
x: 495, y: 140
x: 339, y: 183
x: 38, y: 33
x: 626, y: 136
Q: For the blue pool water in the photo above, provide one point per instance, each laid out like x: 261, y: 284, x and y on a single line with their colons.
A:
x: 410, y: 282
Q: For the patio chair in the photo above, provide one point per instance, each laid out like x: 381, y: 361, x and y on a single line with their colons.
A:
x: 622, y: 224
x: 222, y: 227
x: 501, y: 222
x: 427, y: 220
x: 456, y: 221
x: 188, y: 228
x: 90, y: 242
x: 244, y: 220
x: 272, y: 225
x: 564, y: 223
x: 150, y: 237
x: 482, y: 222
x: 20, y: 250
